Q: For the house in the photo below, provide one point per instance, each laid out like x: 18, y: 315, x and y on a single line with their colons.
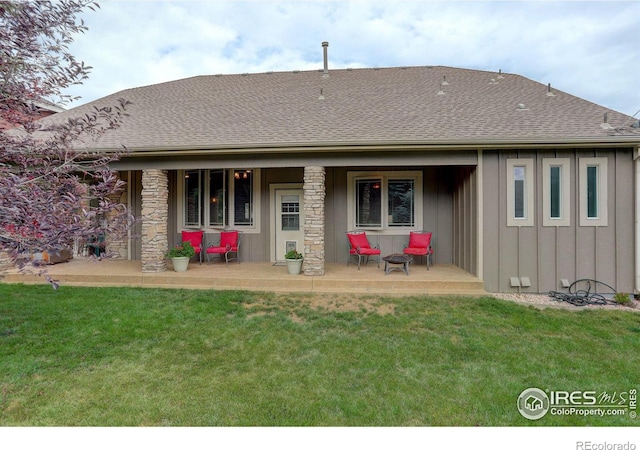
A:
x: 533, y: 403
x: 521, y: 184
x: 39, y: 109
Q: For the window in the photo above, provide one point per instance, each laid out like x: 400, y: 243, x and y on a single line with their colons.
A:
x: 243, y: 197
x: 385, y: 201
x: 369, y: 203
x: 401, y: 205
x: 519, y: 193
x: 556, y: 192
x: 290, y: 213
x: 219, y: 198
x: 593, y: 192
x: 192, y: 203
x: 520, y: 178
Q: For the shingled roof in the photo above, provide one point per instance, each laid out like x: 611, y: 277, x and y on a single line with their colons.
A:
x: 430, y: 105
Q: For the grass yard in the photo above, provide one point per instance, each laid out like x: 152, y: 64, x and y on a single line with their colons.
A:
x: 154, y: 357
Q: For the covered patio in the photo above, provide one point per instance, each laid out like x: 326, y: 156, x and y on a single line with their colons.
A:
x: 263, y: 276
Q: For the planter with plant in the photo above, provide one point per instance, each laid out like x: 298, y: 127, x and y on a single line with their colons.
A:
x: 294, y: 262
x: 180, y: 256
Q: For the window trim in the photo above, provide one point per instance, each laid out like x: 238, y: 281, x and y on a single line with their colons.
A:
x: 204, y: 183
x: 385, y: 176
x: 565, y: 195
x: 529, y: 181
x: 602, y: 220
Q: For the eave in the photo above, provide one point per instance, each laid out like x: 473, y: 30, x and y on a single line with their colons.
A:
x: 378, y: 146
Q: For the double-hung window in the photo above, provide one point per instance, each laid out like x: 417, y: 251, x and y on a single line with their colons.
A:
x: 385, y: 201
x: 219, y: 198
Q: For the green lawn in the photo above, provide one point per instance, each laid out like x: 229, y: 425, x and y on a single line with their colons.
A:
x: 155, y: 357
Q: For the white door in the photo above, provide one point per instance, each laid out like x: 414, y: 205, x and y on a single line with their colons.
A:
x: 289, y: 222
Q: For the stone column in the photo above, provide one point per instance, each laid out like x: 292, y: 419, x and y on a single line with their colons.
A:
x: 155, y: 214
x: 314, y: 193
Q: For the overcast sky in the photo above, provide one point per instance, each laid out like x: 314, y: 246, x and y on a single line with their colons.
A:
x: 588, y: 49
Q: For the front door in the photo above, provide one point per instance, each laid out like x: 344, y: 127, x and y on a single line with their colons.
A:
x: 289, y: 221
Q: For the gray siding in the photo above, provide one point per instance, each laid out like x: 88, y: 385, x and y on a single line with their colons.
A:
x: 548, y: 254
x: 134, y: 185
x: 465, y: 223
x: 438, y: 185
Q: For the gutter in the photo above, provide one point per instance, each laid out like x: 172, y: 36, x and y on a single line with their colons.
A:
x: 354, y: 147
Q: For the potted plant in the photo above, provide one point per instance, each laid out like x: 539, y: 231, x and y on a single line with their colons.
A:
x: 294, y: 262
x: 180, y: 256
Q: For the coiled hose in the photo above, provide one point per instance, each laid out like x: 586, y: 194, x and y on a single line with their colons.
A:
x: 591, y: 295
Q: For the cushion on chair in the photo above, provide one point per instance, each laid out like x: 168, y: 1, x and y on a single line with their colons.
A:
x: 359, y: 240
x: 365, y: 251
x: 229, y: 238
x: 419, y: 240
x: 194, y: 238
x: 216, y: 249
x: 415, y: 251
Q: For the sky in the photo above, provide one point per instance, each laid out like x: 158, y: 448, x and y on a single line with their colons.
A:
x: 589, y: 49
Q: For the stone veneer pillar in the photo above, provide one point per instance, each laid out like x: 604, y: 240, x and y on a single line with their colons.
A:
x: 155, y: 214
x: 314, y: 194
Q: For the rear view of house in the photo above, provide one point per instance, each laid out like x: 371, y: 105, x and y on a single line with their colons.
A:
x: 522, y: 185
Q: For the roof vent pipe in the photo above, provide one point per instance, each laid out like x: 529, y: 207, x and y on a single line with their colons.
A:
x: 549, y: 91
x: 605, y: 122
x: 325, y: 73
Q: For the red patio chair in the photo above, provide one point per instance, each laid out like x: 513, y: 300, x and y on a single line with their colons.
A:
x: 360, y: 247
x: 195, y: 239
x: 420, y: 245
x: 229, y: 243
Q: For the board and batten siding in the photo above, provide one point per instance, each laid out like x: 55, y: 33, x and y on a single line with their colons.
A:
x: 547, y: 254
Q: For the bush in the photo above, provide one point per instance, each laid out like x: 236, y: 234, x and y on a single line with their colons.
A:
x: 622, y: 299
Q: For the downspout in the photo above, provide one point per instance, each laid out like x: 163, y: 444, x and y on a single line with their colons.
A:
x: 129, y: 200
x: 637, y: 215
x: 480, y: 212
